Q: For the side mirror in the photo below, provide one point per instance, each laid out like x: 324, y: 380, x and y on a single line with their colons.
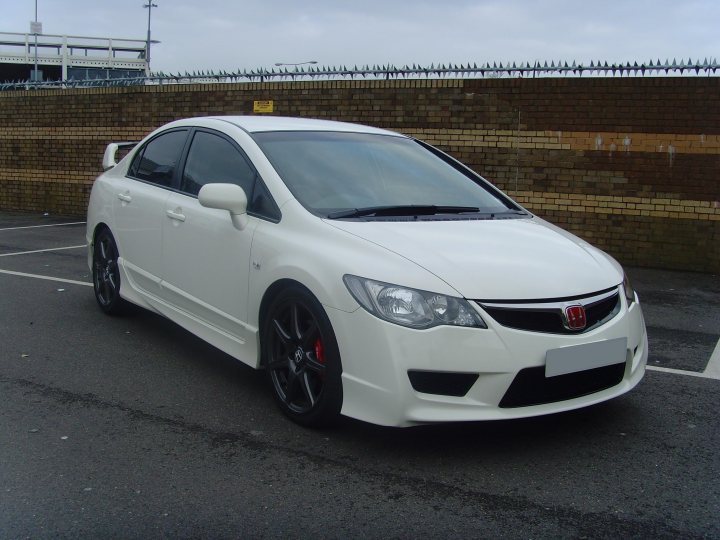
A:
x: 230, y: 197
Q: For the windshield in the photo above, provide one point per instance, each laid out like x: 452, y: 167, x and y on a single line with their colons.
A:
x: 333, y: 173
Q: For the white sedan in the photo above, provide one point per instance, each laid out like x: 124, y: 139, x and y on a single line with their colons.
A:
x: 369, y: 274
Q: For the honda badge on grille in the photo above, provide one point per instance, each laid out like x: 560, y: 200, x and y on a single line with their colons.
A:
x: 574, y: 317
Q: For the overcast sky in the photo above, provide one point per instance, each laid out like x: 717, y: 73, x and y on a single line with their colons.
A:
x: 246, y: 34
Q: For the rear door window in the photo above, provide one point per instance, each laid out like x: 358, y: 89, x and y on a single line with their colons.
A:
x: 158, y: 160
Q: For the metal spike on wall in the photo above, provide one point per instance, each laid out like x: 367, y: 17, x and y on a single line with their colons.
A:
x: 709, y: 66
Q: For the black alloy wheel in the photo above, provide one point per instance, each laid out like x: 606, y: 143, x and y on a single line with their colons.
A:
x: 106, y: 274
x: 301, y: 358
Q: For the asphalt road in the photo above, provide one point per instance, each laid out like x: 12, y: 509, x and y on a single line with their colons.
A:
x: 132, y: 428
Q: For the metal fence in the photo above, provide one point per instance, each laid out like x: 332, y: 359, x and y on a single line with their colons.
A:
x: 708, y: 67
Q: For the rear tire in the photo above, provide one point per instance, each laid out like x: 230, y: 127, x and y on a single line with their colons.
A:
x: 302, y: 359
x: 106, y: 274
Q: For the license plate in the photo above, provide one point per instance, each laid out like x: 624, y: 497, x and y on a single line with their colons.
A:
x: 586, y: 356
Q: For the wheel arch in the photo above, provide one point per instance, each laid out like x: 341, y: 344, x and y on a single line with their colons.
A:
x: 97, y: 229
x: 272, y: 292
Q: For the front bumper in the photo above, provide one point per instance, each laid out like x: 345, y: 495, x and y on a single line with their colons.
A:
x: 377, y: 356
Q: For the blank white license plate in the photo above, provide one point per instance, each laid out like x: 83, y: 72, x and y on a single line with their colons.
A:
x: 586, y: 356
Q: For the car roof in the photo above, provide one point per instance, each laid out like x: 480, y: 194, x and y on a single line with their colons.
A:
x: 257, y: 124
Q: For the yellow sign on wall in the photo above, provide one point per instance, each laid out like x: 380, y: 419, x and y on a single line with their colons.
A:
x: 263, y: 106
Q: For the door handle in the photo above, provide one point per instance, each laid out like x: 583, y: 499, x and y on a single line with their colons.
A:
x: 175, y: 214
x: 125, y: 197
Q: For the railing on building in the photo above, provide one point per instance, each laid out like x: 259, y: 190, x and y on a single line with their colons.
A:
x: 707, y: 67
x: 73, y: 52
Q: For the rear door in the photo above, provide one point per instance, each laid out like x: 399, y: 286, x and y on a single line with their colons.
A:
x: 139, y: 207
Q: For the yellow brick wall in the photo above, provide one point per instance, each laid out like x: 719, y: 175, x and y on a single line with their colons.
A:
x: 631, y: 164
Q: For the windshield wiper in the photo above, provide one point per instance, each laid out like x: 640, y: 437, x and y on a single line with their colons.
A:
x: 403, y: 210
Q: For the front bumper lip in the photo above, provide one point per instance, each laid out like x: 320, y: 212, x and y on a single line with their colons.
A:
x: 377, y: 355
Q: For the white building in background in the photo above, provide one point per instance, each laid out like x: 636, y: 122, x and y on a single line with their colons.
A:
x: 61, y: 58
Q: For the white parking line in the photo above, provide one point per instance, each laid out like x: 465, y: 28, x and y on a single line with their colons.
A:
x: 712, y: 369
x: 703, y: 375
x: 37, y: 226
x: 41, y: 250
x: 49, y: 278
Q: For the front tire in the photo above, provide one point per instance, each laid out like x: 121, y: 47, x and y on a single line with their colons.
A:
x: 106, y: 274
x: 302, y: 359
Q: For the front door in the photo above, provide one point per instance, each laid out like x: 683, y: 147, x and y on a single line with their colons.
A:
x: 206, y: 260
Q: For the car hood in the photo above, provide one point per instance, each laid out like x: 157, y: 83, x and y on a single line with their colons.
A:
x: 515, y: 259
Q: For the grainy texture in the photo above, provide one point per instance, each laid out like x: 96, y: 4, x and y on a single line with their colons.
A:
x: 630, y: 164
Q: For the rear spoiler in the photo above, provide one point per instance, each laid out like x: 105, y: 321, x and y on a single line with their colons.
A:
x: 111, y: 151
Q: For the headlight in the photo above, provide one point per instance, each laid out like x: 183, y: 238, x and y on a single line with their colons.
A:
x: 629, y: 291
x: 411, y: 307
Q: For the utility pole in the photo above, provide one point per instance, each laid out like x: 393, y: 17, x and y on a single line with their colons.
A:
x: 149, y: 7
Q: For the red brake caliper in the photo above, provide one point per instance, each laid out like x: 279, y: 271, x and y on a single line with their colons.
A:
x: 319, y: 351
x: 320, y: 355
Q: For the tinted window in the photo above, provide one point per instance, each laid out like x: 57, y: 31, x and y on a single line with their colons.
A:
x: 331, y: 171
x: 213, y: 159
x: 158, y: 160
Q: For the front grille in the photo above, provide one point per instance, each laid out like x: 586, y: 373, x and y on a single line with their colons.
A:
x: 548, y: 316
x: 531, y: 387
x: 442, y: 383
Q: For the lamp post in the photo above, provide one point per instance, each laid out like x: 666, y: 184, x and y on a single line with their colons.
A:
x: 149, y: 7
x: 295, y: 63
x: 36, y: 28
